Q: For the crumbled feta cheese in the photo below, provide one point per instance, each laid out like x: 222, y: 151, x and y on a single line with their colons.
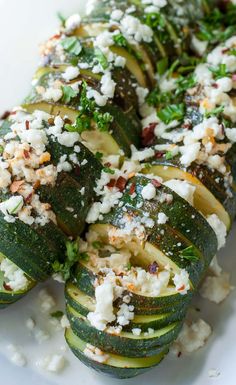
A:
x: 47, y: 302
x: 16, y: 278
x: 213, y: 373
x: 136, y: 331
x: 17, y: 357
x: 70, y: 73
x: 68, y: 139
x: 132, y: 28
x: 30, y: 324
x: 54, y: 94
x: 73, y: 22
x: 117, y: 14
x: 162, y: 218
x: 182, y: 188
x: 52, y: 363
x: 96, y: 354
x: 192, y: 337
x: 108, y: 85
x: 199, y: 46
x: 125, y: 314
x: 219, y: 228
x: 216, y: 288
x: 104, y: 312
x: 65, y: 322
x: 149, y: 191
x: 181, y: 281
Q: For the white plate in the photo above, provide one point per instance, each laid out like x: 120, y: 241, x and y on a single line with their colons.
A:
x: 23, y: 25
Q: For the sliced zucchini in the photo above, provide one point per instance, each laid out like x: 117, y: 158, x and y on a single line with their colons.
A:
x: 125, y: 343
x: 83, y: 304
x: 115, y: 366
x: 210, y: 197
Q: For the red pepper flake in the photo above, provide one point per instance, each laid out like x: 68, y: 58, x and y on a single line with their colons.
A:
x: 6, y: 286
x: 156, y: 183
x: 159, y: 154
x: 13, y: 112
x: 181, y: 288
x: 234, y: 77
x: 26, y: 154
x: 132, y: 188
x: 188, y: 125
x: 225, y: 50
x: 28, y: 198
x: 56, y: 36
x: 5, y: 115
x: 179, y: 354
x: 215, y: 85
x: 148, y: 134
x: 77, y: 170
x: 112, y: 183
x: 67, y: 121
x: 153, y: 267
x: 36, y: 185
x: 27, y: 123
x: 121, y: 183
x: 108, y: 164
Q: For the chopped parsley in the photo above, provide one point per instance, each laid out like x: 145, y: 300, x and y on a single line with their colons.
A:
x: 99, y: 155
x: 72, y: 45
x: 88, y: 113
x: 157, y: 98
x: 172, y: 112
x: 120, y: 40
x: 231, y: 51
x: 57, y: 314
x: 215, y: 112
x: 169, y: 155
x: 189, y: 254
x: 219, y: 72
x: 68, y: 94
x: 1, y: 150
x: 101, y: 58
x: 185, y: 83
x: 61, y: 18
x: 129, y: 266
x: 72, y: 256
x: 109, y: 170
x: 103, y: 120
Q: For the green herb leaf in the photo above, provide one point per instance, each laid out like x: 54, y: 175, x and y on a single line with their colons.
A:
x: 172, y: 112
x: 189, y: 254
x: 162, y: 66
x: 103, y: 120
x: 109, y: 170
x: 169, y: 155
x: 72, y: 256
x: 185, y: 83
x: 1, y: 150
x: 57, y: 314
x: 231, y: 51
x: 120, y: 40
x: 98, y: 155
x: 129, y: 266
x: 72, y: 45
x: 101, y: 58
x: 215, y: 112
x: 61, y: 18
x: 220, y: 71
x: 68, y: 94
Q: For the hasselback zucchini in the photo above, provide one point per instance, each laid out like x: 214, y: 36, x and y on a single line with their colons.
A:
x: 130, y: 74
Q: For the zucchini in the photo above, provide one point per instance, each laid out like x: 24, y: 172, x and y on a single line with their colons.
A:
x: 115, y: 366
x: 125, y: 343
x: 33, y: 249
x: 210, y: 197
x: 83, y: 304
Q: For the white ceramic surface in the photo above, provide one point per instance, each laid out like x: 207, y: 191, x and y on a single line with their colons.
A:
x: 23, y: 25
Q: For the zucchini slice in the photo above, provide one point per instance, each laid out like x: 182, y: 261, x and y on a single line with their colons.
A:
x: 210, y: 197
x: 116, y: 366
x: 83, y: 304
x: 125, y: 343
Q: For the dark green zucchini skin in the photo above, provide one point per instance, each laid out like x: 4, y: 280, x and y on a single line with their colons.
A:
x: 33, y: 249
x: 121, y: 344
x: 114, y: 371
x: 183, y: 220
x: 68, y: 193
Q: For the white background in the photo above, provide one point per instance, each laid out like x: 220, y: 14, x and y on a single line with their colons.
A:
x: 23, y: 25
